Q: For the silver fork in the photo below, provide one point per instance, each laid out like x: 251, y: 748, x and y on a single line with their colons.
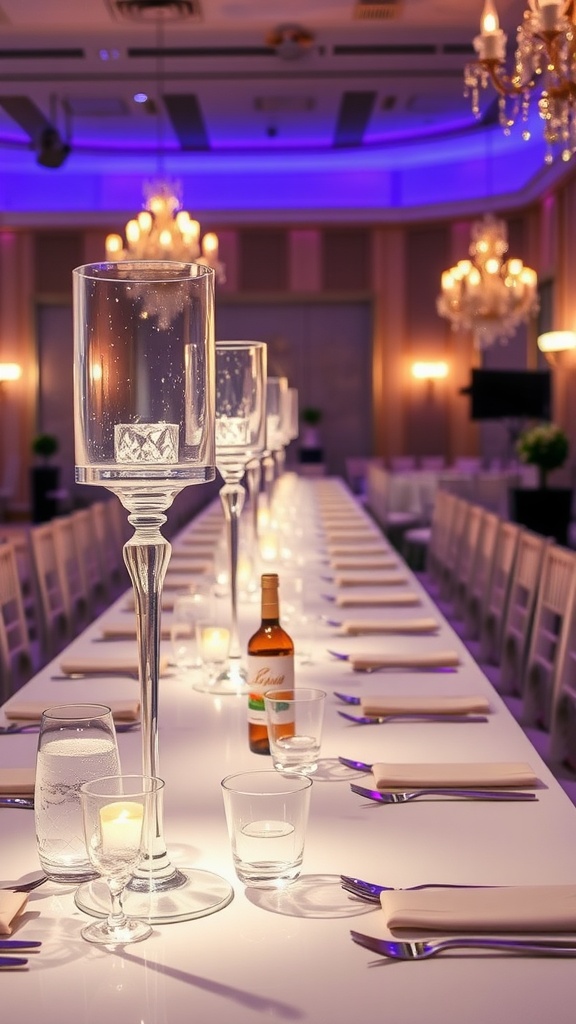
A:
x: 370, y: 892
x: 27, y: 886
x: 423, y: 950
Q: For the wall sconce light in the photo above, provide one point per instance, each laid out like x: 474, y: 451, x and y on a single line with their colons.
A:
x: 559, y: 348
x: 10, y: 371
x: 430, y: 371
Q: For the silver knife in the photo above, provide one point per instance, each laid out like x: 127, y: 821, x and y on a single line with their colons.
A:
x: 9, y: 963
x: 25, y: 802
x: 463, y: 794
x: 18, y: 944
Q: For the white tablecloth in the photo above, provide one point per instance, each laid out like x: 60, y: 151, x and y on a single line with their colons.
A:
x: 288, y: 956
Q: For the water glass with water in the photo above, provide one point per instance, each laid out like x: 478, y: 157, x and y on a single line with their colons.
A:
x: 77, y: 743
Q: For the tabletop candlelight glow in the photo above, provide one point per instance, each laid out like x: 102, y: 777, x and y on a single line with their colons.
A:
x: 214, y: 642
x: 121, y: 824
x: 269, y: 547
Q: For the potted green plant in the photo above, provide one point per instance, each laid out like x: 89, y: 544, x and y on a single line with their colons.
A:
x: 544, y: 509
x: 45, y: 445
x: 545, y: 446
x: 45, y: 478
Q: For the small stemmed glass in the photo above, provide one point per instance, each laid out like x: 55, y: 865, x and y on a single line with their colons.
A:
x: 117, y: 812
x: 240, y: 437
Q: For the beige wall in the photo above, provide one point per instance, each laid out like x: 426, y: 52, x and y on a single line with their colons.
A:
x: 396, y: 267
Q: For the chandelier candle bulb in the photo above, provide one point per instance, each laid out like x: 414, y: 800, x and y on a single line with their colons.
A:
x: 121, y: 824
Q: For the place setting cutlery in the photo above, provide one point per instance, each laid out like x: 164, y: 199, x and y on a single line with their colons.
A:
x: 24, y: 803
x: 18, y: 728
x: 433, y: 661
x: 423, y: 950
x: 370, y: 891
x: 406, y: 796
x: 450, y: 710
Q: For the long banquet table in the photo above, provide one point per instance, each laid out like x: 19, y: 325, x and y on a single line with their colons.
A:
x: 287, y: 955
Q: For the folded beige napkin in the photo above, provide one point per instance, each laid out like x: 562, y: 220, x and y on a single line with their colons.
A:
x: 358, y: 627
x: 371, y: 579
x: 17, y: 781
x: 402, y: 597
x: 179, y: 563
x: 104, y: 664
x: 363, y: 536
x: 362, y: 550
x: 367, y: 562
x: 120, y: 630
x: 462, y: 776
x: 200, y: 545
x: 423, y: 705
x: 530, y: 908
x: 177, y: 580
x: 12, y: 905
x: 404, y: 659
x: 31, y: 710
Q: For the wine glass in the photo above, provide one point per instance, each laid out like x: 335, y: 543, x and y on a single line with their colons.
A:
x: 117, y: 812
x: 144, y: 427
x: 240, y: 437
x: 213, y: 643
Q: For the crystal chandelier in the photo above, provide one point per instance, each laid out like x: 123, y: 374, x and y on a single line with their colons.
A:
x: 164, y: 231
x: 544, y: 64
x: 484, y: 294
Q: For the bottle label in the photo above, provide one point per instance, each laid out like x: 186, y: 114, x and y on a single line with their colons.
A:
x: 267, y: 674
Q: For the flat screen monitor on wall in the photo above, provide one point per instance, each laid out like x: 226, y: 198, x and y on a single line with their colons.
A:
x: 510, y: 394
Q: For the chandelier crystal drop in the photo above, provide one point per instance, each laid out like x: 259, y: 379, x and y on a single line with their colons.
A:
x: 485, y: 294
x: 544, y: 69
x: 163, y: 230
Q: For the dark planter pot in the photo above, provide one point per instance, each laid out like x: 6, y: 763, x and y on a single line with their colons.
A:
x: 45, y: 482
x: 545, y: 510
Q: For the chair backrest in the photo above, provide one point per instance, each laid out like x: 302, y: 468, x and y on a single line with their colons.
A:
x: 56, y: 626
x: 492, y: 491
x: 480, y: 575
x: 444, y: 505
x: 552, y: 612
x: 497, y: 591
x: 467, y: 464
x: 402, y: 463
x: 17, y: 663
x: 456, y: 533
x: 432, y: 462
x: 92, y: 559
x: 107, y: 531
x: 562, y: 748
x: 73, y: 576
x: 465, y: 558
x: 520, y: 609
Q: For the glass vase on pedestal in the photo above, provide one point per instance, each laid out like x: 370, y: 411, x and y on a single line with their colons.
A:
x: 240, y: 438
x: 144, y: 427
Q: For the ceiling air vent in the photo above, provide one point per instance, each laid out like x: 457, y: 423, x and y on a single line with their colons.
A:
x: 377, y: 10
x: 156, y: 10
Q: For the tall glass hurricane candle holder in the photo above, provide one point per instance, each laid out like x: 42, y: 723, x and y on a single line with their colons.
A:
x: 240, y: 437
x: 144, y: 426
x: 276, y: 421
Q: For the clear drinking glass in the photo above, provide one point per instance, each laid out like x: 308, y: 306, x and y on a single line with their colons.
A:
x: 77, y: 742
x: 240, y: 437
x: 266, y: 816
x: 144, y: 395
x: 117, y: 812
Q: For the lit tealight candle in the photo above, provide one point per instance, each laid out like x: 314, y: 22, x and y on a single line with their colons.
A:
x: 214, y: 643
x: 121, y: 824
